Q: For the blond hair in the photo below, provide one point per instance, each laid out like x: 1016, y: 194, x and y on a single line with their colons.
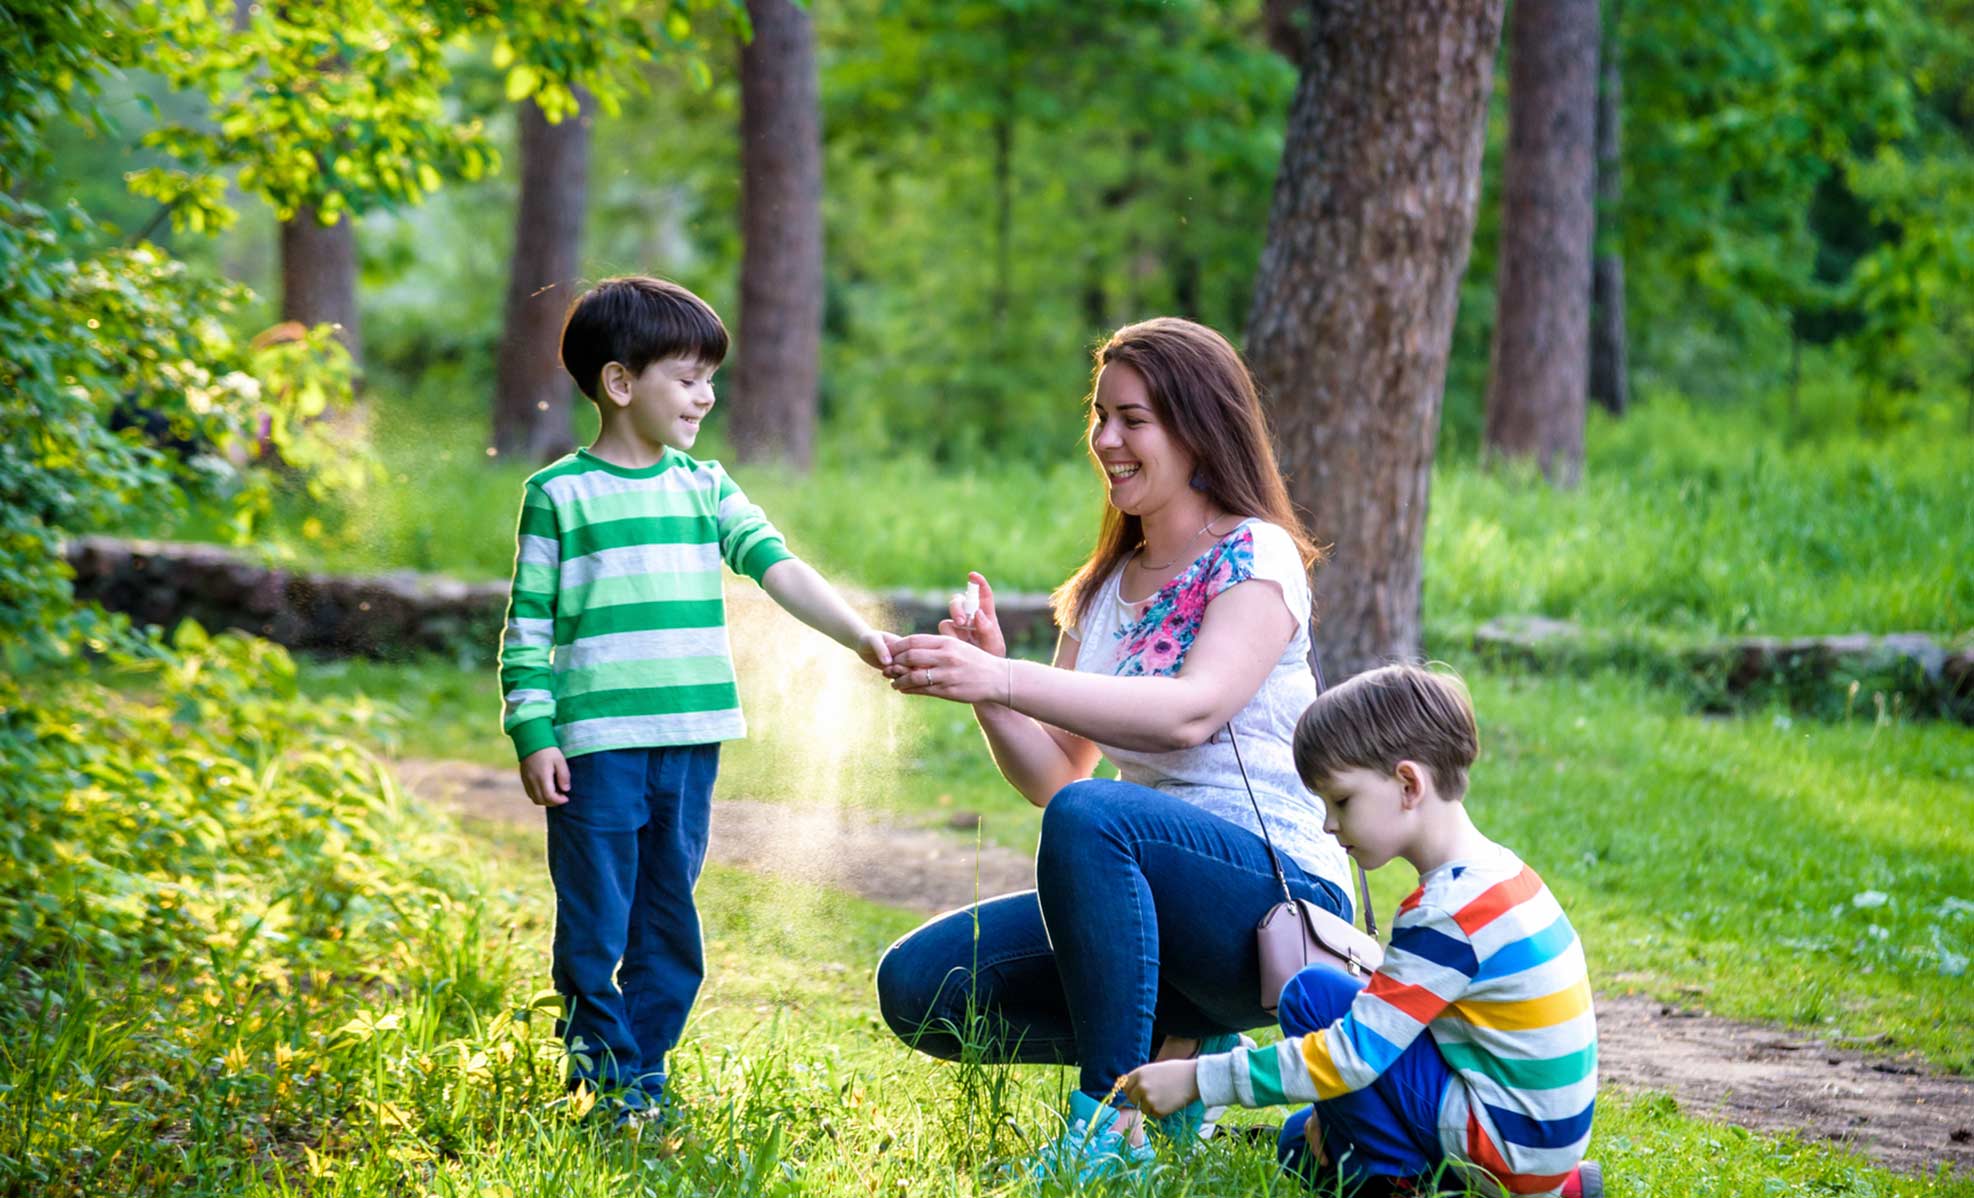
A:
x: 1384, y: 716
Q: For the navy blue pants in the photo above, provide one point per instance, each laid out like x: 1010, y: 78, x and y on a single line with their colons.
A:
x: 624, y: 854
x: 1141, y: 926
x: 1389, y: 1129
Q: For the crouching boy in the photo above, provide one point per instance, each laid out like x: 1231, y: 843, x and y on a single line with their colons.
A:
x: 1470, y: 1057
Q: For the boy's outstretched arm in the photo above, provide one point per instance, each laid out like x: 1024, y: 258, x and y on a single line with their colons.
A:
x: 1429, y: 965
x: 1162, y: 1086
x: 807, y: 595
x: 752, y: 546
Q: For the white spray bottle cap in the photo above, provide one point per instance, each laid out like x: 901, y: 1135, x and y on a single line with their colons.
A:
x: 970, y: 605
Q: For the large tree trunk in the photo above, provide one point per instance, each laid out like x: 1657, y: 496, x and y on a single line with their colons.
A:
x: 781, y: 264
x: 531, y: 390
x: 318, y: 276
x: 1541, y: 356
x: 1353, y: 306
x: 1610, y: 368
x: 1286, y: 25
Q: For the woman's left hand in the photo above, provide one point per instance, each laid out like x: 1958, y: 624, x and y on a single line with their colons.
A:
x: 947, y: 668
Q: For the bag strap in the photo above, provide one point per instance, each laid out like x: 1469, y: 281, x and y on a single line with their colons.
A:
x: 1274, y: 859
x: 1281, y: 878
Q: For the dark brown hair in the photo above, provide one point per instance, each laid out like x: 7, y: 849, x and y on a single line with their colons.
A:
x: 1384, y: 716
x: 1203, y: 395
x: 637, y: 320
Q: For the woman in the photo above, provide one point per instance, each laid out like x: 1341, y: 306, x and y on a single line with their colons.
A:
x: 1190, y: 615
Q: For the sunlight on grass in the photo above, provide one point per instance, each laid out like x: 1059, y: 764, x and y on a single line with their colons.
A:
x: 401, y: 1041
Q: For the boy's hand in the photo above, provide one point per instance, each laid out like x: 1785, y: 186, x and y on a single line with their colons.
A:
x: 874, y: 647
x: 545, y: 776
x: 1162, y: 1086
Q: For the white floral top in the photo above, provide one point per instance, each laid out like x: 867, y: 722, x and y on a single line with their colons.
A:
x: 1152, y: 637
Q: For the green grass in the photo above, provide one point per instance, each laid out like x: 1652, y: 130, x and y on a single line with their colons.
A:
x: 351, y: 1001
x: 1689, y: 521
x: 1819, y: 874
x: 1812, y: 873
x: 1703, y: 858
x: 1708, y: 523
x: 442, y: 1083
x: 917, y: 760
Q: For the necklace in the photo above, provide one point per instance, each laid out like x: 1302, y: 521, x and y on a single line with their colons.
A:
x: 1145, y: 565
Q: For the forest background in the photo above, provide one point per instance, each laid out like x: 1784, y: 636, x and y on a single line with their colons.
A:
x: 239, y: 961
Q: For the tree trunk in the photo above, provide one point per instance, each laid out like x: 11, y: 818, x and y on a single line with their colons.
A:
x: 781, y: 264
x: 531, y: 390
x: 1541, y: 357
x: 318, y: 276
x: 1610, y: 359
x: 1353, y: 306
x: 1285, y: 23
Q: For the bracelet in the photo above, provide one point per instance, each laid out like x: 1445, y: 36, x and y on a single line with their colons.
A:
x: 1010, y: 703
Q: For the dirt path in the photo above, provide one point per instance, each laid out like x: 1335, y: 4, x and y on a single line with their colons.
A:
x: 1765, y: 1078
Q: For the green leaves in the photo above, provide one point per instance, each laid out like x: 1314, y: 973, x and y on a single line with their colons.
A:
x: 1788, y: 177
x: 129, y: 392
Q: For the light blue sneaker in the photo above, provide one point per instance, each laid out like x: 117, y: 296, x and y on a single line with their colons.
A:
x: 1196, y: 1121
x: 1089, y: 1147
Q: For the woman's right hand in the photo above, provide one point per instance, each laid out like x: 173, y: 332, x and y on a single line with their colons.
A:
x: 984, y: 630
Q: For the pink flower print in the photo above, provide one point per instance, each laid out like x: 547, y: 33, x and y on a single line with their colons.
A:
x: 1164, y: 649
x: 1188, y: 607
x: 1156, y: 643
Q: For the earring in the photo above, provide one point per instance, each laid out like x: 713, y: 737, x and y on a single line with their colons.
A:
x: 1199, y: 480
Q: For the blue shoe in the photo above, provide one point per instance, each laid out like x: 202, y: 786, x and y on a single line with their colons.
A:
x: 1089, y: 1146
x: 1196, y: 1121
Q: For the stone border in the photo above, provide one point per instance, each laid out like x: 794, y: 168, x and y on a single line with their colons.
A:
x: 401, y: 613
x: 380, y: 615
x: 1906, y: 673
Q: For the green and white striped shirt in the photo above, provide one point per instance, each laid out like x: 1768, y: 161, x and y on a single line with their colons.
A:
x: 616, y: 632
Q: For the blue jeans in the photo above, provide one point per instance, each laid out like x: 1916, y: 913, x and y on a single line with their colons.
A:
x: 624, y: 854
x: 1140, y: 926
x: 1389, y: 1129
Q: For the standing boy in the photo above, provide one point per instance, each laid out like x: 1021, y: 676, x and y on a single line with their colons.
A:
x: 1473, y: 1050
x: 618, y: 678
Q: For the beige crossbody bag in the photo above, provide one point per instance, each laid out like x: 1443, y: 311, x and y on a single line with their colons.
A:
x: 1296, y: 932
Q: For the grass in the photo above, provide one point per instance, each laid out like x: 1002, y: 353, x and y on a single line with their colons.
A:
x: 389, y: 1034
x: 443, y: 1083
x: 928, y: 766
x: 1706, y: 523
x: 1690, y: 522
x: 1812, y: 873
x: 1704, y: 859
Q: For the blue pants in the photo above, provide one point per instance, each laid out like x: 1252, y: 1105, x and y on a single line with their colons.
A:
x: 624, y: 854
x: 1389, y: 1129
x: 1140, y: 926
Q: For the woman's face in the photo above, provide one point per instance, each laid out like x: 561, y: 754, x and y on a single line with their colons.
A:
x: 1144, y: 466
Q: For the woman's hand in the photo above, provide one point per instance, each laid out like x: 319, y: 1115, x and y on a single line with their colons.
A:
x: 947, y: 667
x: 983, y: 631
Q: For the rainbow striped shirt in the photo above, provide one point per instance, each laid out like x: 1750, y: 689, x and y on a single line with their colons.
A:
x: 616, y: 631
x: 1483, y: 959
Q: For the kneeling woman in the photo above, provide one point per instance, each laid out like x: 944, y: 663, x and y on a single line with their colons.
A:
x: 1190, y: 617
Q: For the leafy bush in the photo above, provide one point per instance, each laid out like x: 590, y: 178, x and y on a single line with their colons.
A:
x: 217, y: 902
x: 102, y: 336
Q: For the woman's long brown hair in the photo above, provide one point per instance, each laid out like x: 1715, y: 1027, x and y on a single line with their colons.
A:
x: 1203, y: 395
